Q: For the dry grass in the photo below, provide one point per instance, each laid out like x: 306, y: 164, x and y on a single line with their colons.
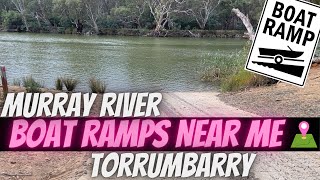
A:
x: 229, y: 72
x: 97, y: 86
x: 31, y: 85
x: 70, y: 84
x: 59, y: 84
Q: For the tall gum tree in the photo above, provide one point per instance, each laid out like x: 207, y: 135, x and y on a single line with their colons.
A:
x: 43, y: 10
x: 161, y: 11
x: 20, y: 6
x: 73, y: 10
x: 201, y: 10
x: 94, y: 10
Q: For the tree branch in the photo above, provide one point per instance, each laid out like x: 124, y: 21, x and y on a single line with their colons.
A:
x: 246, y: 21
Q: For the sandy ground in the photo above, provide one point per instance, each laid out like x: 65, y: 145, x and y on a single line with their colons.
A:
x: 280, y: 100
x: 275, y: 165
x: 198, y: 104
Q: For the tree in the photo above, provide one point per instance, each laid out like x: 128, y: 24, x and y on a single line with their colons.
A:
x: 130, y: 13
x: 202, y: 10
x: 94, y: 10
x: 161, y: 11
x: 41, y: 10
x: 5, y: 5
x: 251, y: 6
x: 246, y: 22
x: 20, y: 6
x: 70, y: 11
x: 45, y: 6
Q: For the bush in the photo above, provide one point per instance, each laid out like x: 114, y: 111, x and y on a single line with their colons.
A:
x: 31, y: 85
x: 70, y: 84
x: 59, y: 84
x: 229, y: 72
x: 221, y: 67
x: 245, y: 79
x: 11, y: 20
x: 97, y: 86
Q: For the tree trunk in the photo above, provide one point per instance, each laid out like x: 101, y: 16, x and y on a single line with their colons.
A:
x: 202, y: 26
x: 38, y: 20
x: 25, y: 22
x: 246, y: 21
x: 95, y: 27
x: 159, y: 27
x: 44, y: 15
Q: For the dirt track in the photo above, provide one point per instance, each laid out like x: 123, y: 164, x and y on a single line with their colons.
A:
x: 280, y: 100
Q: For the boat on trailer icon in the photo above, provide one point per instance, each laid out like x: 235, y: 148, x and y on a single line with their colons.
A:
x: 280, y: 55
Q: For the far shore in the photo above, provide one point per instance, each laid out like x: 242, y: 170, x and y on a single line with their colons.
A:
x: 147, y: 32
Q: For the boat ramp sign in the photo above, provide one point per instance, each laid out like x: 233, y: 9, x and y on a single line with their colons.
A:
x: 286, y: 40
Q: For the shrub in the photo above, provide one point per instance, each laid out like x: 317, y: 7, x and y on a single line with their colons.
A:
x: 221, y: 67
x: 229, y: 72
x: 31, y: 85
x: 245, y: 79
x: 59, y: 84
x: 70, y: 84
x: 11, y: 19
x: 97, y: 86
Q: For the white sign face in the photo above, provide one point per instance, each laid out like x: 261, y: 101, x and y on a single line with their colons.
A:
x: 286, y: 40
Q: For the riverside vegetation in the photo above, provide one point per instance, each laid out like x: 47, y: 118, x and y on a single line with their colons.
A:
x: 128, y: 17
x: 229, y: 73
x: 107, y: 16
x: 70, y: 84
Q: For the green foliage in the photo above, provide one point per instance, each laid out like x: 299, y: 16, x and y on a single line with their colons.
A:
x: 97, y: 86
x: 221, y: 67
x: 31, y: 85
x: 244, y: 79
x: 61, y: 15
x: 59, y: 84
x: 11, y: 19
x: 70, y: 84
x: 229, y: 72
x: 110, y: 22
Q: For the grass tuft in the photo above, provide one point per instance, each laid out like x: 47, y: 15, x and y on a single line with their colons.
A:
x: 59, y: 84
x: 220, y: 67
x: 245, y: 79
x: 31, y: 85
x: 70, y: 84
x: 97, y: 86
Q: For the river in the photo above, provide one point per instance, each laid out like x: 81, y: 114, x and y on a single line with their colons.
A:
x: 123, y: 63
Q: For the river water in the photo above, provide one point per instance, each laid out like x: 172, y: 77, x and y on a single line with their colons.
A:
x: 123, y: 63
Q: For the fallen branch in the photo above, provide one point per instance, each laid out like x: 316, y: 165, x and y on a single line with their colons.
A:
x: 194, y: 35
x: 246, y: 21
